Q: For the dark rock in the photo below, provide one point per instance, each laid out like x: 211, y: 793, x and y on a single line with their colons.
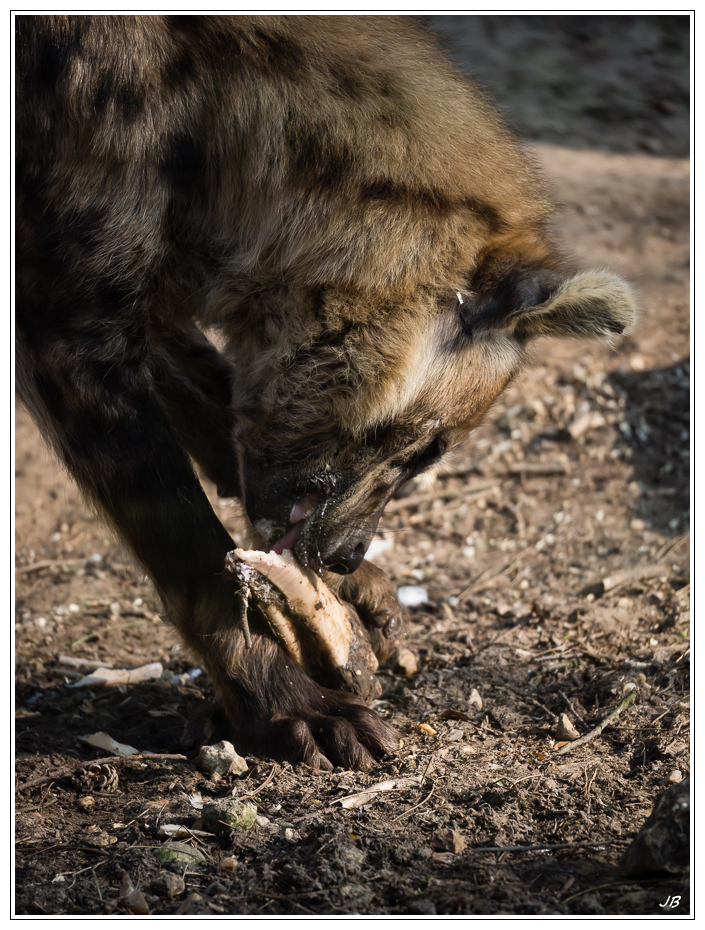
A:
x: 662, y: 846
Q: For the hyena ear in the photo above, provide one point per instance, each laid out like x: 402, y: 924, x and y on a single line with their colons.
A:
x: 592, y: 303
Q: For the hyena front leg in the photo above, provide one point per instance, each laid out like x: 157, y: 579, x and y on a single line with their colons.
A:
x: 194, y: 387
x: 91, y: 390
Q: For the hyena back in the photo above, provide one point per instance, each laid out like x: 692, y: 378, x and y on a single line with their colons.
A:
x: 371, y: 243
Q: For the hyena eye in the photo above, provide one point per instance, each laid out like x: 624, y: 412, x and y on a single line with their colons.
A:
x: 423, y: 459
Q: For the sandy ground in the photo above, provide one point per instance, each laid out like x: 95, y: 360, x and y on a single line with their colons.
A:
x: 555, y: 556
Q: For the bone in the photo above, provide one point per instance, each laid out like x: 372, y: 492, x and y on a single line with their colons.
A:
x: 296, y: 600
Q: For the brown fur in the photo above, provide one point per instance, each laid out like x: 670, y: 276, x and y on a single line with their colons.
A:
x: 351, y: 215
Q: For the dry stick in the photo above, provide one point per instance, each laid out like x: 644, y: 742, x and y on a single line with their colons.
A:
x: 447, y: 509
x: 107, y: 629
x: 627, y: 702
x: 111, y: 760
x: 402, y: 503
x: 416, y: 806
x: 92, y: 849
x: 572, y: 709
x: 626, y: 881
x: 538, y: 846
x: 539, y: 468
x: 671, y: 545
x: 47, y: 563
x: 480, y: 585
x: 619, y: 579
x: 265, y: 783
x: 362, y: 797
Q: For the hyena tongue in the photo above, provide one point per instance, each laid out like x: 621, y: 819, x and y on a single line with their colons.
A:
x: 303, y: 509
x: 300, y: 512
x: 288, y: 539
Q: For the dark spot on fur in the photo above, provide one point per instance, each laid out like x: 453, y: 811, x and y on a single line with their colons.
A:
x: 112, y: 298
x: 487, y: 214
x: 130, y: 103
x: 180, y: 70
x: 187, y: 24
x: 390, y: 191
x: 104, y: 93
x: 183, y: 162
x: 318, y: 159
x: 283, y: 54
x: 348, y: 83
x: 128, y: 100
x: 85, y: 228
x: 55, y: 55
x: 318, y: 303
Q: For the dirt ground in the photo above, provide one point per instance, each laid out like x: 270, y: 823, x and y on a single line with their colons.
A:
x: 555, y: 555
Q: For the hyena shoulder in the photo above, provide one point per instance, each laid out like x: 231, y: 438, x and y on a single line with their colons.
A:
x: 341, y: 149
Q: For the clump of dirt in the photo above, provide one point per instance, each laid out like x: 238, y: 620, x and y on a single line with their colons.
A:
x: 554, y: 555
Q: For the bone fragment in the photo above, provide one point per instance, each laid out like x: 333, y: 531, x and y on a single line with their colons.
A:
x: 310, y: 623
x: 309, y: 598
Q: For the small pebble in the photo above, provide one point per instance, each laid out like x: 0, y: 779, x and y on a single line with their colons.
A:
x: 448, y: 841
x: 166, y: 884
x: 220, y: 759
x: 136, y: 903
x: 226, y: 814
x: 228, y: 864
x: 405, y: 662
x: 565, y: 730
x: 412, y: 595
x: 192, y: 904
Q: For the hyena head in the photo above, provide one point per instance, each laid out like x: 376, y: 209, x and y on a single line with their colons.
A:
x: 378, y: 388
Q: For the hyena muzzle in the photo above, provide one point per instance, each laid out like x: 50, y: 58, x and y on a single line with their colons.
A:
x: 369, y: 240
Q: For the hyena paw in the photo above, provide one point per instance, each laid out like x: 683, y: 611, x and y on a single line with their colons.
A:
x: 374, y: 598
x: 277, y: 711
x: 351, y: 736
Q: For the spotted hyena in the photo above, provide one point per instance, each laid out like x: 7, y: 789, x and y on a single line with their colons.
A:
x: 368, y: 238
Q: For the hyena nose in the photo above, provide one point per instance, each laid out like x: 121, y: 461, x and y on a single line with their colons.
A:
x: 345, y: 561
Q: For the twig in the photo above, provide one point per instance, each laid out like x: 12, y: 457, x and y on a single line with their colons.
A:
x: 425, y: 515
x: 627, y: 702
x: 671, y: 545
x: 468, y: 495
x: 593, y: 653
x: 112, y: 760
x: 626, y: 881
x: 480, y: 585
x: 46, y: 563
x: 572, y: 709
x: 539, y: 468
x: 531, y: 700
x: 392, y: 784
x: 107, y: 629
x: 538, y: 846
x: 91, y: 849
x: 619, y: 579
x: 416, y: 806
x: 265, y: 784
x: 402, y: 503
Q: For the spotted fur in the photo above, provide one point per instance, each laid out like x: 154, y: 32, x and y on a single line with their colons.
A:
x: 369, y: 240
